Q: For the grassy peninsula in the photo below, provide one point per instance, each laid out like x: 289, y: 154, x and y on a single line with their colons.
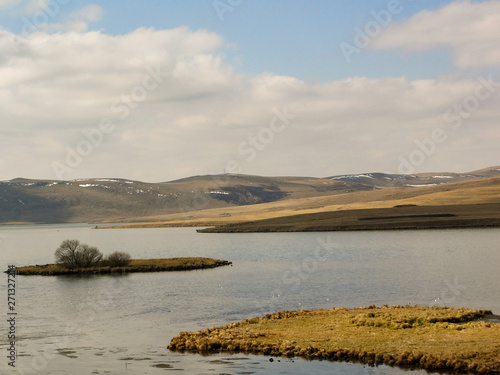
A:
x: 457, y: 340
x: 135, y: 265
x: 405, y: 216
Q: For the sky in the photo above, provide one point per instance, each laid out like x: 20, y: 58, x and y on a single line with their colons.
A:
x: 161, y: 90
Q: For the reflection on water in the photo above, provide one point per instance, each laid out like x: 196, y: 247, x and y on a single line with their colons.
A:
x: 123, y: 324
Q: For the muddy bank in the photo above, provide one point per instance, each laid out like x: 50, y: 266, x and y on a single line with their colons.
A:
x: 430, y: 338
x: 136, y: 265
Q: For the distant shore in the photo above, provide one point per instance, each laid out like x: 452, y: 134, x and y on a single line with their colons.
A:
x: 398, y: 217
x: 136, y: 265
x: 404, y: 216
x: 412, y: 337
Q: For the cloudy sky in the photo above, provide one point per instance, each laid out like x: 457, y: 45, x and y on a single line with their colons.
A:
x: 165, y: 89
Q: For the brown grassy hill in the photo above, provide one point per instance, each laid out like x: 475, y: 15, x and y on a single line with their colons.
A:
x: 416, y: 180
x: 481, y: 191
x: 209, y: 200
x: 474, y: 203
x: 118, y: 200
x: 400, y: 217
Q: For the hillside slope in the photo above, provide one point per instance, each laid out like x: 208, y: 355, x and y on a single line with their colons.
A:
x: 416, y: 180
x: 118, y: 200
x: 485, y: 191
x: 208, y: 200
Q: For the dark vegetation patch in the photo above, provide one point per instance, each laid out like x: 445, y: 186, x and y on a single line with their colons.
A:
x: 163, y: 365
x: 407, y: 217
x: 243, y: 195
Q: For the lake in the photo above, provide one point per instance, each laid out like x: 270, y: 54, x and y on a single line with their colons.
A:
x: 123, y: 324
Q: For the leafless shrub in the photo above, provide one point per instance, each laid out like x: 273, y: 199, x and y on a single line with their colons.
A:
x: 118, y: 259
x: 73, y: 254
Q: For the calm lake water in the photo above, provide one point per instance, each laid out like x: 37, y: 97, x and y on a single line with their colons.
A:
x: 123, y: 324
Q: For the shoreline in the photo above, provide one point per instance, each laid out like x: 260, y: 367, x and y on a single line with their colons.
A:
x: 136, y: 265
x: 397, y: 217
x: 406, y: 217
x: 228, y: 229
x: 411, y: 337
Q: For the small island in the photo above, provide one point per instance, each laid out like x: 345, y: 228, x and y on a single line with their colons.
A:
x: 75, y: 258
x: 457, y: 340
x: 135, y: 265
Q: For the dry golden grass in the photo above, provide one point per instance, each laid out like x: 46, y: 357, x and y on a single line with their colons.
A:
x: 431, y: 338
x: 135, y: 265
x: 485, y: 191
x: 401, y: 217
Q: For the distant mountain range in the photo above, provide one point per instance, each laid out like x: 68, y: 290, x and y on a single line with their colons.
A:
x: 416, y: 180
x: 97, y: 200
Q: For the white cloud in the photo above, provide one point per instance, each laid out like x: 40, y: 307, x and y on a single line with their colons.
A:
x: 49, y: 16
x: 53, y: 86
x: 29, y: 7
x: 79, y: 21
x: 35, y: 6
x: 8, y: 3
x: 471, y: 30
x: 91, y: 13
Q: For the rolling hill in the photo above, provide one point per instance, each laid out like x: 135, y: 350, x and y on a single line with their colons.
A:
x: 118, y: 200
x: 215, y: 199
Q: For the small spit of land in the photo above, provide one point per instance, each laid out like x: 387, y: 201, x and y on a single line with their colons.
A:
x: 447, y: 204
x: 398, y: 217
x: 455, y: 340
x: 135, y: 265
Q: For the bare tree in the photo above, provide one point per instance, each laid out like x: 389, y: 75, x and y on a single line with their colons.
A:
x: 73, y: 254
x: 88, y: 256
x: 66, y: 253
x: 118, y: 259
